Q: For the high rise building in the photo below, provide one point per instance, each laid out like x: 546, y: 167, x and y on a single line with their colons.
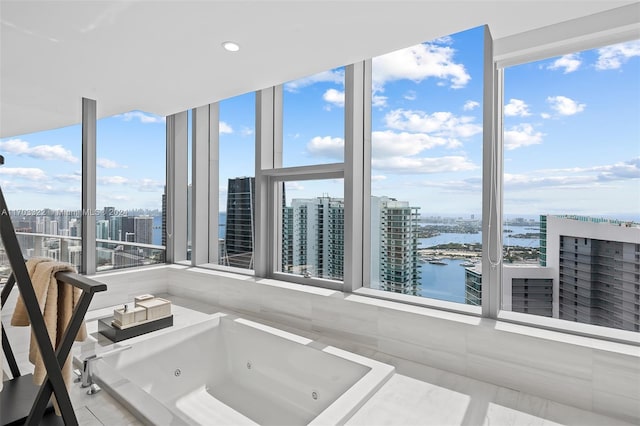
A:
x: 394, y: 246
x: 115, y: 225
x: 589, y: 272
x: 41, y: 224
x: 108, y: 212
x: 239, y: 230
x: 313, y: 238
x: 143, y: 229
x: 598, y: 270
x: 75, y: 228
x: 287, y: 239
x: 53, y: 227
x: 121, y: 228
x: 313, y: 241
x: 102, y: 229
x: 63, y: 222
x: 164, y: 218
x: 526, y: 289
x: 473, y: 285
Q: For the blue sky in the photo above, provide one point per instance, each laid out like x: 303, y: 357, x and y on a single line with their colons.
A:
x: 43, y: 170
x: 572, y: 137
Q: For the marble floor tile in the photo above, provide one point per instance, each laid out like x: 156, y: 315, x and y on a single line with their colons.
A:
x: 406, y: 401
x: 86, y: 417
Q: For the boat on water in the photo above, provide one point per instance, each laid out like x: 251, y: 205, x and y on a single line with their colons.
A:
x: 467, y: 264
x: 437, y: 262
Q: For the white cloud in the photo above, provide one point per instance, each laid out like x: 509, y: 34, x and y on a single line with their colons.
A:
x: 422, y: 165
x: 333, y: 76
x: 565, y: 106
x: 397, y: 152
x: 326, y: 147
x: 246, y: 131
x: 529, y: 181
x: 569, y: 63
x: 143, y: 117
x: 42, y: 152
x: 105, y: 163
x: 468, y: 185
x: 388, y: 143
x: 576, y: 177
x: 418, y: 63
x: 378, y: 178
x: 612, y: 57
x: 521, y: 135
x: 545, y: 115
x: 76, y: 177
x: 225, y: 128
x: 470, y: 105
x: 443, y: 124
x: 620, y: 171
x: 293, y: 186
x: 516, y: 107
x: 448, y: 40
x: 150, y: 185
x: 34, y: 187
x: 411, y: 95
x: 378, y: 101
x: 112, y: 180
x: 334, y: 97
x: 29, y: 173
x: 116, y: 197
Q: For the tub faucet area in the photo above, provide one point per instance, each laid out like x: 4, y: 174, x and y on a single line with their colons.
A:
x: 85, y: 376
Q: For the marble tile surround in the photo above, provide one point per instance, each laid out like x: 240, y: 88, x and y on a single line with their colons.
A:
x: 490, y: 373
x: 574, y: 370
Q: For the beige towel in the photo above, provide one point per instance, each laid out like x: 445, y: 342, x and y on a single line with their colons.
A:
x: 57, y: 301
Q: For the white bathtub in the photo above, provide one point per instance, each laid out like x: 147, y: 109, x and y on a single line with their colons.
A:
x: 233, y: 371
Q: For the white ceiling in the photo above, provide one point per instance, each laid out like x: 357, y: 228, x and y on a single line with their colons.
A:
x: 165, y: 56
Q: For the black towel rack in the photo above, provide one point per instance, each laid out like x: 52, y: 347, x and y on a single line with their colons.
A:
x: 20, y: 390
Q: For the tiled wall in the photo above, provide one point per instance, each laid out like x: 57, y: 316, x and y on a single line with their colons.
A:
x: 587, y: 373
x: 123, y: 286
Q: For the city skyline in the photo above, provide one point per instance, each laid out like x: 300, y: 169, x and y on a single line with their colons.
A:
x: 426, y: 137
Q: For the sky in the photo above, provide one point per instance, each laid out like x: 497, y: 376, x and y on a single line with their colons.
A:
x: 44, y: 169
x: 571, y: 137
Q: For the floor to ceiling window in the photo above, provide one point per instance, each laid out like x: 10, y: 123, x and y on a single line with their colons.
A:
x: 310, y: 229
x: 41, y: 182
x: 572, y: 187
x: 426, y: 168
x: 236, y: 202
x: 130, y: 193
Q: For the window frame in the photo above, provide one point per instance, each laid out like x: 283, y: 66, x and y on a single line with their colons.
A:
x: 489, y: 105
x: 275, y: 178
x: 579, y: 34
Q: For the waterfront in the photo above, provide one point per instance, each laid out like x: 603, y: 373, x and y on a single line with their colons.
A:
x: 443, y: 282
x: 446, y: 282
x: 476, y: 238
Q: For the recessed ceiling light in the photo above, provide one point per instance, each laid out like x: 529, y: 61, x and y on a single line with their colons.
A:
x: 231, y: 46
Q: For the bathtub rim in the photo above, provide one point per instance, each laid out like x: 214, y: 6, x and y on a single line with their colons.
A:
x: 147, y: 408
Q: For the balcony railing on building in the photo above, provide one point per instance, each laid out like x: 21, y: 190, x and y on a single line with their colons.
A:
x: 110, y: 254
